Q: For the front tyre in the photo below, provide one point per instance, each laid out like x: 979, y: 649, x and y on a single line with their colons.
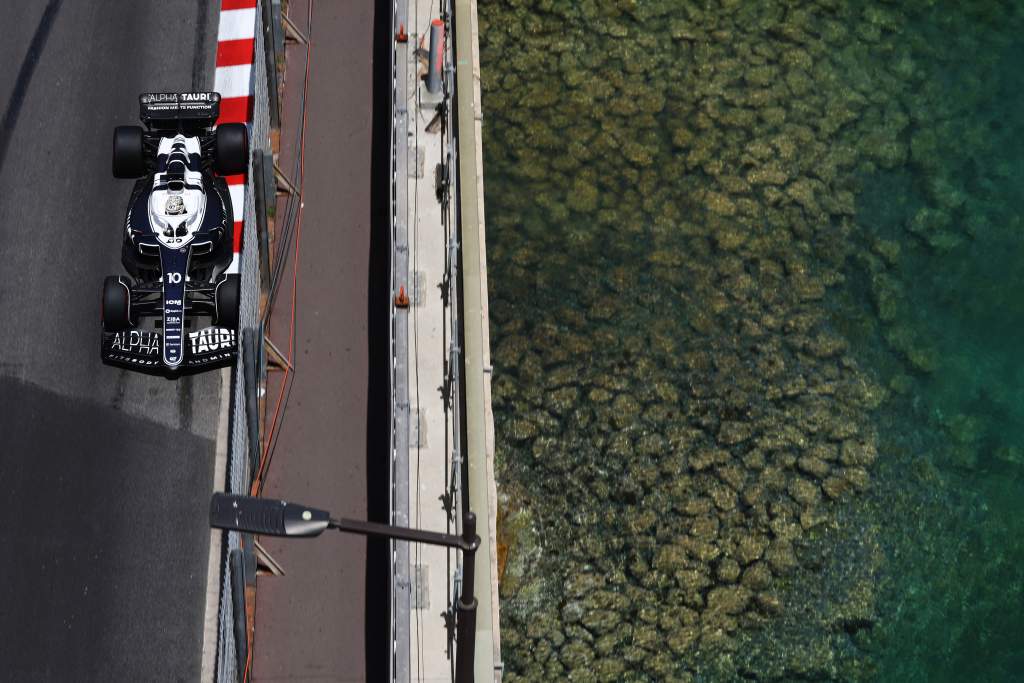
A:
x: 116, y: 313
x: 232, y: 148
x: 226, y: 299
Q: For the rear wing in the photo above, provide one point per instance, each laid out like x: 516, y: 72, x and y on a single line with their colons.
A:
x: 175, y: 111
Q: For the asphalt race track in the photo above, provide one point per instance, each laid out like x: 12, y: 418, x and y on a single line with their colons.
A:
x: 105, y: 475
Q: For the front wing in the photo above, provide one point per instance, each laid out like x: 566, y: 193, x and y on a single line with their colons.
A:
x: 142, y: 351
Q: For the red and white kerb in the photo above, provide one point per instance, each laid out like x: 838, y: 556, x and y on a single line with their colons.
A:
x: 236, y: 39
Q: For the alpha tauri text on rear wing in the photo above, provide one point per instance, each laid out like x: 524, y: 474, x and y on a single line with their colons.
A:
x: 170, y: 110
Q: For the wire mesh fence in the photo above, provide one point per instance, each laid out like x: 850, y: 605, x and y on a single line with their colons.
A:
x: 232, y: 649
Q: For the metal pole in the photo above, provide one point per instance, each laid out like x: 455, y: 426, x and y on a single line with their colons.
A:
x: 265, y: 199
x: 436, y: 56
x: 467, y: 543
x: 279, y: 518
x: 237, y: 566
x: 465, y: 649
x: 465, y: 610
x: 252, y: 420
x: 270, y: 60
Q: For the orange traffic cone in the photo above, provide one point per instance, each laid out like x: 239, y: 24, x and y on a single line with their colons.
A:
x: 401, y: 36
x: 401, y: 301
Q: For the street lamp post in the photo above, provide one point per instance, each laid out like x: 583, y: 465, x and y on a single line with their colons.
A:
x: 269, y: 517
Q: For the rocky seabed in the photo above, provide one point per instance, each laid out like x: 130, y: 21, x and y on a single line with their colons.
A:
x: 683, y: 280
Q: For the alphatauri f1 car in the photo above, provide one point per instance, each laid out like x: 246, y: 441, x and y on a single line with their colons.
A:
x: 178, y: 239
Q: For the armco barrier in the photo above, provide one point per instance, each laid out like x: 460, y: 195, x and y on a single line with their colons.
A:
x: 248, y: 370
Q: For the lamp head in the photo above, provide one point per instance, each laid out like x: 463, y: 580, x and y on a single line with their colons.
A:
x: 266, y: 516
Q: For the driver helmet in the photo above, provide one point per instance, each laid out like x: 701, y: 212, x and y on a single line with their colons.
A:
x: 175, y: 206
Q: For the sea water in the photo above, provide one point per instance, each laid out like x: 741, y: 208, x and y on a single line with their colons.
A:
x: 756, y: 292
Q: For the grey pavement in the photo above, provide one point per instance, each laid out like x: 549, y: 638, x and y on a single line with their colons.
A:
x: 105, y: 474
x: 310, y: 622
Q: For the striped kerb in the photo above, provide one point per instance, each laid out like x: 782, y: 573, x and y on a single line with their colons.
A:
x: 233, y: 80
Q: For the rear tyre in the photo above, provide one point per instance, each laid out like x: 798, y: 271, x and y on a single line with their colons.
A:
x: 129, y: 152
x: 226, y: 299
x: 232, y: 148
x: 117, y: 304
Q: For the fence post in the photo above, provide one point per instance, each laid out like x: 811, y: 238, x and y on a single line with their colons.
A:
x: 251, y: 397
x: 237, y: 568
x: 465, y: 628
x: 270, y: 59
x: 263, y: 191
x: 436, y: 56
x: 275, y: 23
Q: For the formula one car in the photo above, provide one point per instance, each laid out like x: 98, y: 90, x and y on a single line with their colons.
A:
x: 178, y: 239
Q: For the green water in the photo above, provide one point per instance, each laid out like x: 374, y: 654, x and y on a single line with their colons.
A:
x: 756, y: 292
